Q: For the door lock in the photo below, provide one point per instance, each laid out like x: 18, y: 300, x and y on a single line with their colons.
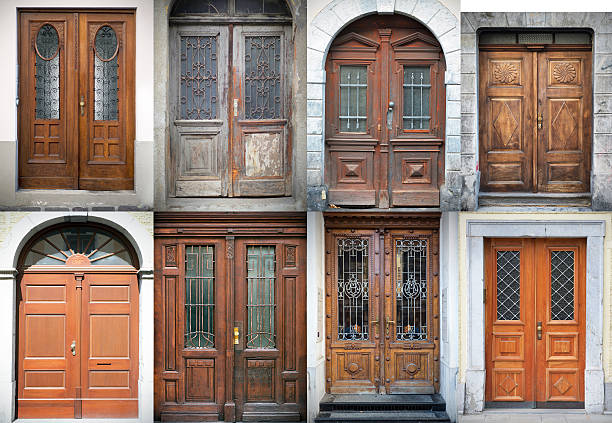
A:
x: 73, y: 348
x: 235, y: 107
x: 236, y: 336
x: 540, y: 120
x: 376, y: 322
x: 390, y: 115
x: 539, y: 330
x: 82, y: 105
x: 388, y: 322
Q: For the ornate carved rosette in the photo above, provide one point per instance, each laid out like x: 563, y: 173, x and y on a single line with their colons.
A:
x: 505, y: 73
x: 564, y: 73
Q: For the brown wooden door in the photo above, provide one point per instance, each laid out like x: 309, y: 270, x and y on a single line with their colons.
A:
x: 228, y: 325
x: 535, y: 120
x: 535, y: 338
x: 76, y: 92
x: 78, y: 345
x: 385, y: 114
x: 382, y: 334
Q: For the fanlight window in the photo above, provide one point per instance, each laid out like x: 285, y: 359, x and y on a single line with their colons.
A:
x: 230, y: 7
x: 78, y: 246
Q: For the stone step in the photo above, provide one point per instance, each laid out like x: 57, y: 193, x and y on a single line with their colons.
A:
x: 374, y: 402
x: 382, y: 416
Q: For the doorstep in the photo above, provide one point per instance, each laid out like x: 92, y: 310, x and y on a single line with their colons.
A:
x: 534, y: 416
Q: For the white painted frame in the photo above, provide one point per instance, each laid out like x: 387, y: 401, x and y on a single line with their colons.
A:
x: 476, y: 231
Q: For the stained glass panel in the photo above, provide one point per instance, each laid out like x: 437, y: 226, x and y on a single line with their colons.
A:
x: 411, y: 289
x: 562, y: 285
x: 353, y: 289
x: 261, y: 305
x: 106, y: 75
x: 198, y: 84
x: 262, y: 77
x: 199, y: 296
x: 508, y: 285
x: 417, y: 86
x: 47, y: 73
x: 353, y: 98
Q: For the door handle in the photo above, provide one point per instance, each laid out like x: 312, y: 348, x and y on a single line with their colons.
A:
x: 539, y: 330
x: 390, y: 115
x: 82, y: 105
x: 388, y: 322
x: 540, y: 120
x: 376, y: 322
x: 236, y: 336
x: 73, y: 348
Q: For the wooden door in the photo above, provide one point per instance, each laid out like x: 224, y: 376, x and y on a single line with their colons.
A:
x: 535, y: 319
x: 385, y: 114
x: 76, y: 100
x: 78, y: 345
x: 535, y: 114
x: 381, y: 326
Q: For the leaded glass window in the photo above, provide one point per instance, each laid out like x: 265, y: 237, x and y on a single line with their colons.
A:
x: 262, y: 77
x: 261, y: 304
x: 562, y: 285
x: 106, y: 74
x: 353, y: 289
x: 198, y: 80
x: 508, y: 285
x: 353, y: 98
x: 199, y: 296
x: 47, y: 73
x: 411, y: 289
x: 417, y: 86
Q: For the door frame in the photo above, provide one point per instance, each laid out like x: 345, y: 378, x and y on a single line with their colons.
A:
x: 474, y: 315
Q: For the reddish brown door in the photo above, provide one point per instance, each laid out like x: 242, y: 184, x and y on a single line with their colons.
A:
x: 535, y: 120
x: 381, y: 325
x: 385, y: 114
x: 76, y: 100
x: 535, y: 339
x: 78, y: 345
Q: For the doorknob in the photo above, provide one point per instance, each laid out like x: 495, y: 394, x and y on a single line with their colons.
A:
x: 236, y: 336
x: 390, y: 115
x: 540, y: 119
x: 73, y: 347
x: 388, y: 322
x: 539, y: 329
x: 82, y: 105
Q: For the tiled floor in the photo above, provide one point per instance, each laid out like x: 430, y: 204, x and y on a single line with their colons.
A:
x: 534, y: 417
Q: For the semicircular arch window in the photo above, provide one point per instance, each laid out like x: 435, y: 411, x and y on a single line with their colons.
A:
x: 78, y: 246
x: 230, y: 7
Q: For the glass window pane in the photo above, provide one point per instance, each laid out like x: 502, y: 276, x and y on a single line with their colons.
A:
x: 562, y: 285
x: 411, y: 289
x: 198, y: 84
x: 182, y: 7
x: 199, y: 296
x: 353, y: 98
x: 262, y: 77
x: 106, y: 75
x: 508, y: 285
x: 47, y: 73
x: 261, y: 305
x: 353, y: 289
x: 417, y: 86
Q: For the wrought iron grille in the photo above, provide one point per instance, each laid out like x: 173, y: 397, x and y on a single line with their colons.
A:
x: 508, y: 285
x: 411, y: 289
x: 106, y: 75
x: 417, y: 86
x: 198, y: 83
x: 47, y: 73
x: 262, y: 77
x: 353, y: 289
x: 353, y: 98
x: 261, y: 304
x: 562, y: 285
x: 199, y: 296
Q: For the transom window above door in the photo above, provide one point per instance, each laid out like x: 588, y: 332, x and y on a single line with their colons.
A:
x: 230, y: 94
x: 76, y: 99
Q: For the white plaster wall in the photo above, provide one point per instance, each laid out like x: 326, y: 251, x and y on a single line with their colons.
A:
x: 16, y: 228
x: 142, y: 196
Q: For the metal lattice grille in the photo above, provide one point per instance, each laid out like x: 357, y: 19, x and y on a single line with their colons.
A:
x: 411, y: 289
x: 262, y: 77
x: 106, y: 75
x: 562, y: 285
x: 353, y: 288
x: 508, y: 285
x: 199, y: 296
x: 47, y: 73
x: 261, y: 306
x: 198, y: 83
x: 353, y: 98
x: 417, y: 86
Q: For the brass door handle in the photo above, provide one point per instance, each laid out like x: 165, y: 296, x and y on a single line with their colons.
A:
x: 540, y: 120
x: 390, y: 115
x: 73, y: 348
x: 539, y: 330
x: 82, y: 105
x: 236, y: 336
x: 388, y: 322
x: 376, y: 322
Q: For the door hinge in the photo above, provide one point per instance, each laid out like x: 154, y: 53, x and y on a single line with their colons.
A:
x: 484, y: 295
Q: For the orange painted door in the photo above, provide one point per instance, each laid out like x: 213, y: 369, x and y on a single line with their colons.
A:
x: 535, y: 336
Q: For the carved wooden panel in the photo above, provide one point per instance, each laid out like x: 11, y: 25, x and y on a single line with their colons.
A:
x: 415, y: 176
x: 353, y: 175
x: 508, y: 384
x: 200, y: 380
x: 260, y: 380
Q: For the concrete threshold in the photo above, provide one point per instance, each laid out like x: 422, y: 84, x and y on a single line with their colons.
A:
x: 534, y: 416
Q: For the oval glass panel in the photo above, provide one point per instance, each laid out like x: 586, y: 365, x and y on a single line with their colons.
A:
x: 106, y: 43
x: 47, y: 42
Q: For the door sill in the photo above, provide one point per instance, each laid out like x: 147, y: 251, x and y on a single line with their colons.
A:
x: 540, y: 199
x: 535, y: 405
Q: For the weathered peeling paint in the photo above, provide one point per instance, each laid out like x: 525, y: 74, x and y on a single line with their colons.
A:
x: 263, y: 154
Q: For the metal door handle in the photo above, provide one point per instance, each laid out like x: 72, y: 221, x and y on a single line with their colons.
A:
x: 82, y: 105
x: 540, y: 120
x: 539, y: 330
x: 390, y: 115
x: 236, y: 336
x: 376, y: 322
x: 388, y: 322
x: 73, y: 348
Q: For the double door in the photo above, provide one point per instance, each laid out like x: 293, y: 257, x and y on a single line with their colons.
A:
x: 382, y: 321
x: 535, y: 120
x: 535, y: 320
x: 76, y: 100
x: 78, y: 345
x: 229, y: 328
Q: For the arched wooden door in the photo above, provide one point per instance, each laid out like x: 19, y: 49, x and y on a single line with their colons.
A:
x: 77, y: 325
